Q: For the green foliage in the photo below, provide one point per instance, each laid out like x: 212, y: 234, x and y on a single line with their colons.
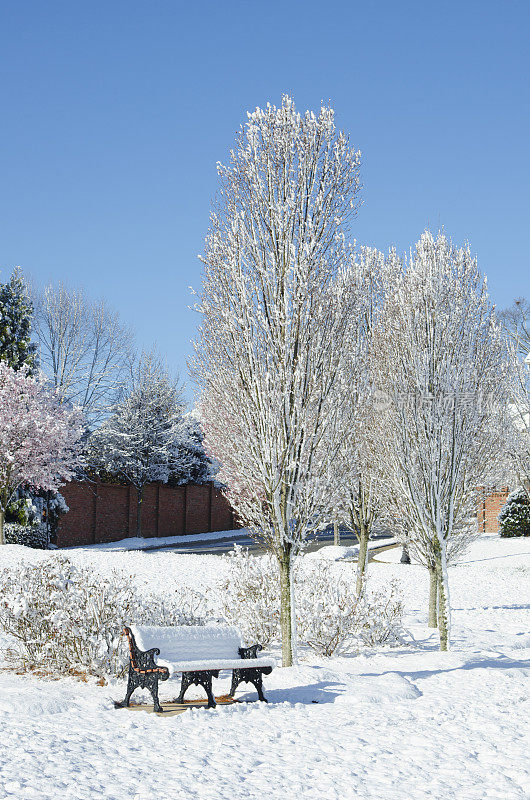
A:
x: 20, y: 511
x: 514, y: 517
x: 16, y: 311
x: 35, y: 536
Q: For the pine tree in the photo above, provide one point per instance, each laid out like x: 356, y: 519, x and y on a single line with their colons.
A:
x: 192, y: 464
x: 16, y: 310
x: 514, y: 517
x: 140, y: 441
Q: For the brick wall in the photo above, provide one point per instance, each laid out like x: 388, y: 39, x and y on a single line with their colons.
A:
x: 106, y: 512
x: 490, y: 503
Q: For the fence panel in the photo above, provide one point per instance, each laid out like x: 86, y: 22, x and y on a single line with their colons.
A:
x: 106, y: 512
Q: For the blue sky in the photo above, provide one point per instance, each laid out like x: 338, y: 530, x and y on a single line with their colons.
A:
x: 114, y: 113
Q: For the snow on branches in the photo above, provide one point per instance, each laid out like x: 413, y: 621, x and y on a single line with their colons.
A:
x: 148, y: 438
x: 270, y: 345
x: 39, y: 438
x: 443, y: 368
x: 358, y: 496
x: 331, y: 616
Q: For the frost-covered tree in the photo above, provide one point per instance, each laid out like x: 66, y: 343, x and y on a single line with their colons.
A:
x: 39, y: 438
x: 517, y: 322
x: 18, y: 351
x: 444, y: 366
x: 191, y: 463
x: 514, y: 516
x: 141, y: 441
x: 270, y: 346
x: 359, y: 488
x: 516, y: 318
x: 16, y: 311
x: 84, y: 348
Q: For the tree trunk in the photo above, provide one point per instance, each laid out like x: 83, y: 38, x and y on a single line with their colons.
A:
x: 286, y: 609
x: 362, y: 536
x: 433, y: 597
x: 2, y: 537
x: 444, y: 609
x: 336, y: 533
x: 140, y: 496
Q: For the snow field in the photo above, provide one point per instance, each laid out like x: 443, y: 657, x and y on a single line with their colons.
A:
x: 402, y: 724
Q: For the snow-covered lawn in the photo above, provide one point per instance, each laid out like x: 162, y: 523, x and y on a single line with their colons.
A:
x: 399, y: 724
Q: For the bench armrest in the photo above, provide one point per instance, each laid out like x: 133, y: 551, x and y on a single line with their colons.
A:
x: 250, y: 652
x: 143, y: 660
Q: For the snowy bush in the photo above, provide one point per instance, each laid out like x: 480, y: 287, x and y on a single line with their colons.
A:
x: 29, y: 535
x: 330, y: 617
x: 382, y: 620
x: 514, y: 517
x: 65, y: 619
x: 327, y: 609
x: 184, y: 607
x: 250, y: 596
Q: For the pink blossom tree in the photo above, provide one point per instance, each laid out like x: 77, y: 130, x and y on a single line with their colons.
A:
x: 39, y: 438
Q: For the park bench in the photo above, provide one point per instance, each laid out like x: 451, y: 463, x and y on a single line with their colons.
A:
x: 199, y: 653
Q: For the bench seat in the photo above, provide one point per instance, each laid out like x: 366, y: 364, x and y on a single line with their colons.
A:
x: 175, y: 667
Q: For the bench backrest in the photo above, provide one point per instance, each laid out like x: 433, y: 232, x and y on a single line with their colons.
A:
x: 189, y: 642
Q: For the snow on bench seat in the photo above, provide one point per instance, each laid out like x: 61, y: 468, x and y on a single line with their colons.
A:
x: 191, y: 648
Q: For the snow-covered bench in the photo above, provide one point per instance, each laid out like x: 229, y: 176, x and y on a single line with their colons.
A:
x: 198, y: 653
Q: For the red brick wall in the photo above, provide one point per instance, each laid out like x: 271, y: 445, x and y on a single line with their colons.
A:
x: 105, y: 512
x: 221, y: 511
x: 79, y: 522
x: 490, y: 503
x: 172, y: 511
x: 197, y: 509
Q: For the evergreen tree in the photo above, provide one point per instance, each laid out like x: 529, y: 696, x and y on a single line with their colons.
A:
x: 139, y: 442
x: 16, y: 310
x: 192, y: 464
x: 514, y: 517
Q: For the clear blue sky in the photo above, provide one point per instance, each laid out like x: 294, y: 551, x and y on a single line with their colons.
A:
x: 114, y: 113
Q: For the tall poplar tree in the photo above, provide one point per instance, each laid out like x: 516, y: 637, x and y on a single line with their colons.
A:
x: 274, y: 324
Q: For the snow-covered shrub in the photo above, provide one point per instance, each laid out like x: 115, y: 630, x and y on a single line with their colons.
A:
x: 514, y: 516
x: 184, y: 607
x: 250, y: 596
x: 66, y: 619
x: 29, y: 535
x: 330, y: 617
x: 327, y: 609
x: 62, y: 618
x: 382, y: 620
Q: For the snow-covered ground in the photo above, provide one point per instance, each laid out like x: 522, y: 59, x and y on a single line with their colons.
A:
x: 402, y: 724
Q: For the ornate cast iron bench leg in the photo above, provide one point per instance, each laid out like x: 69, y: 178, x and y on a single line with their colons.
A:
x: 250, y: 675
x: 143, y: 680
x: 132, y: 683
x: 151, y: 683
x: 202, y: 678
x: 143, y: 671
